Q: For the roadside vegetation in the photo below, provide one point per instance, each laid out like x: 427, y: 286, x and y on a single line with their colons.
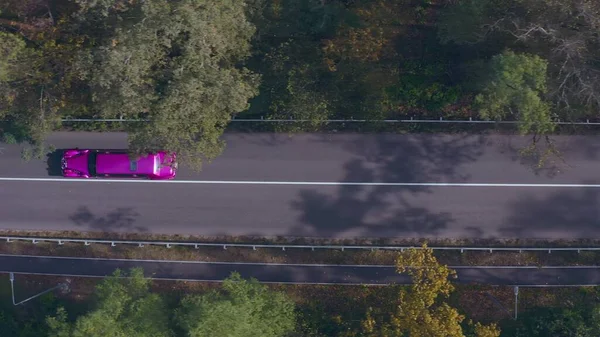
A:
x: 139, y: 307
x: 290, y: 254
x: 298, y: 255
x: 130, y: 307
x: 189, y: 66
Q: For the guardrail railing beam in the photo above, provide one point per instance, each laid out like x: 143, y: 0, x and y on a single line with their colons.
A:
x: 253, y: 246
x: 393, y: 121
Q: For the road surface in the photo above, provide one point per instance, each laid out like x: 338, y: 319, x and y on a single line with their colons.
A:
x: 281, y: 273
x: 533, y: 210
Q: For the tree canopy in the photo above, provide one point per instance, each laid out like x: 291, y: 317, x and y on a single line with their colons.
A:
x: 580, y: 321
x: 421, y: 309
x: 516, y: 86
x: 175, y: 63
x: 243, y: 308
x: 562, y: 32
x: 189, y: 66
x: 124, y: 307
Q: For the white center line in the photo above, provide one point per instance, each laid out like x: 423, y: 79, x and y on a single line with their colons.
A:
x: 283, y: 183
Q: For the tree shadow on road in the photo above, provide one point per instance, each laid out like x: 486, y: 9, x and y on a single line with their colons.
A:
x: 119, y: 220
x: 565, y: 214
x: 543, y: 157
x: 386, y: 211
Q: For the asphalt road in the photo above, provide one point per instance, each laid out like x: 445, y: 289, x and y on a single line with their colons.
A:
x: 257, y: 209
x: 281, y: 273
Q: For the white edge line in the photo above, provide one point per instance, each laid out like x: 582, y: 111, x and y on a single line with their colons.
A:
x: 281, y: 264
x: 301, y: 183
x: 201, y: 280
x: 316, y: 283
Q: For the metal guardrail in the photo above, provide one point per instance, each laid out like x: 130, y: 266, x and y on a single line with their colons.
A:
x: 196, y: 245
x: 392, y: 121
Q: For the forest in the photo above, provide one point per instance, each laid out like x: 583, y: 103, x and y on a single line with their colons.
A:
x: 127, y: 304
x: 189, y: 66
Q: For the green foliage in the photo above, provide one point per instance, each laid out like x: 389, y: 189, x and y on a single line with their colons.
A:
x: 12, y: 48
x: 9, y: 138
x: 32, y: 83
x: 244, y: 309
x: 8, y: 324
x: 124, y: 308
x: 516, y: 88
x: 176, y: 64
x: 463, y: 22
x: 421, y: 86
x: 544, y: 322
x: 302, y: 100
x: 422, y: 310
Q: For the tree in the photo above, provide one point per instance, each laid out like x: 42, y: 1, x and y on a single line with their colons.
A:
x: 516, y: 87
x: 569, y: 29
x: 175, y: 63
x: 37, y: 85
x: 124, y: 308
x: 464, y: 22
x: 564, y: 32
x: 581, y: 321
x: 244, y: 309
x: 421, y: 311
x: 301, y: 101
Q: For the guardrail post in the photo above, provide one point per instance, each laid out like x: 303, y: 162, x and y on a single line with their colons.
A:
x: 113, y: 243
x: 516, y: 301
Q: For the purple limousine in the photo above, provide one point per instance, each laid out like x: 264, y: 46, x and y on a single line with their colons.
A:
x: 77, y: 163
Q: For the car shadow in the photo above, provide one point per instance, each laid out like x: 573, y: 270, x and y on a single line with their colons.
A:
x: 120, y: 220
x: 53, y: 162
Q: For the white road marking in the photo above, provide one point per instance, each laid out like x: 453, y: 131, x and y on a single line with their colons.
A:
x: 267, y: 264
x: 283, y: 183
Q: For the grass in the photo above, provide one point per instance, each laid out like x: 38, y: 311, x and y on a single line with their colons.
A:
x: 292, y: 255
x: 288, y: 240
